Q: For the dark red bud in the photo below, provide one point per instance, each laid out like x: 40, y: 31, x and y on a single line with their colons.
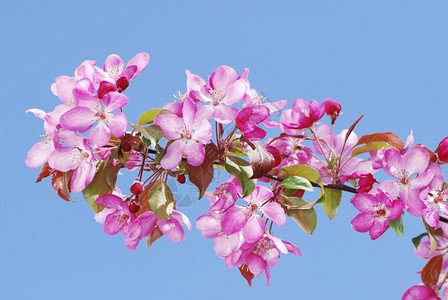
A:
x: 134, y: 207
x: 442, y: 151
x: 105, y: 87
x: 122, y: 84
x: 276, y: 153
x: 180, y: 178
x: 126, y: 147
x: 136, y: 188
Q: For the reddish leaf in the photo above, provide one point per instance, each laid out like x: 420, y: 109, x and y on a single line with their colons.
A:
x: 387, y: 137
x: 244, y: 269
x: 153, y: 236
x: 45, y: 171
x: 261, y: 161
x: 350, y: 130
x: 431, y: 272
x: 61, y: 184
x: 202, y: 175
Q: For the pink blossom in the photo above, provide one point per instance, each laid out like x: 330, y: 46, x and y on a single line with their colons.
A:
x: 434, y: 197
x: 403, y: 167
x: 78, y: 158
x: 117, y: 217
x: 236, y: 217
x: 420, y: 292
x: 303, y: 114
x: 41, y: 151
x: 247, y: 120
x: 222, y: 91
x: 82, y: 119
x: 376, y: 211
x: 171, y: 228
x: 188, y: 135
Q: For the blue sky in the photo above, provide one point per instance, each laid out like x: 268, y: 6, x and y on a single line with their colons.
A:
x: 384, y: 58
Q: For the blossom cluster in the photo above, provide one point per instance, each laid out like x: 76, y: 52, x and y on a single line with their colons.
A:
x: 222, y: 123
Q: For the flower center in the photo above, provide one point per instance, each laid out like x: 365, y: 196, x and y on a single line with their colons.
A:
x: 306, y: 112
x: 216, y: 96
x: 186, y: 133
x: 115, y: 70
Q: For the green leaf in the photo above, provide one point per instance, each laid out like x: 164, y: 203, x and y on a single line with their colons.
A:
x: 397, y: 226
x: 303, y: 171
x: 416, y: 241
x: 237, y: 166
x: 155, y: 133
x: 332, y: 200
x: 243, y: 171
x: 148, y: 116
x: 370, y: 147
x: 103, y: 183
x: 161, y: 200
x: 306, y: 218
x: 296, y: 183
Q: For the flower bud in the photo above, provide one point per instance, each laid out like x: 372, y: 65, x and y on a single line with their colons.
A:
x: 442, y: 151
x: 105, y: 87
x: 134, y: 207
x: 136, y: 188
x: 180, y: 178
x: 332, y: 109
x: 122, y: 84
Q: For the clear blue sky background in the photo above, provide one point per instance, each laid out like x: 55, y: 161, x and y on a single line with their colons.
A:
x: 384, y: 58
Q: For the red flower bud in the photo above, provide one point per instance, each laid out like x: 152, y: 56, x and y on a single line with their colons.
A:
x: 126, y: 147
x: 122, y: 84
x: 105, y: 87
x: 332, y: 108
x: 136, y: 188
x: 442, y: 151
x: 180, y: 178
x: 134, y: 207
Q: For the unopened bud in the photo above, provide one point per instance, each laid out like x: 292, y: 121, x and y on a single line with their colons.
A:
x: 442, y: 150
x: 122, y: 84
x: 332, y: 109
x: 136, y: 188
x: 105, y: 87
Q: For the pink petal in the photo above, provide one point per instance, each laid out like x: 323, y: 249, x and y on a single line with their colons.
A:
x: 396, y: 210
x: 255, y: 263
x: 78, y: 119
x: 141, y: 60
x: 99, y: 135
x: 183, y: 219
x: 394, y: 162
x: 114, y: 101
x: 63, y: 88
x: 117, y: 124
x: 189, y: 110
x: 254, y: 229
x: 170, y: 124
x: 364, y: 202
x: 234, y: 219
x: 172, y: 230
x: 37, y: 112
x: 234, y: 93
x: 203, y: 132
x: 173, y: 155
x: 222, y: 77
x: 39, y: 154
x: 412, y: 202
x: 111, y: 201
x: 82, y: 176
x: 225, y: 114
x: 416, y: 161
x: 362, y: 222
x: 209, y: 225
x: 378, y: 228
x: 225, y: 244
x: 274, y: 212
x: 113, y: 223
x: 132, y: 234
x: 195, y: 153
x: 62, y: 159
